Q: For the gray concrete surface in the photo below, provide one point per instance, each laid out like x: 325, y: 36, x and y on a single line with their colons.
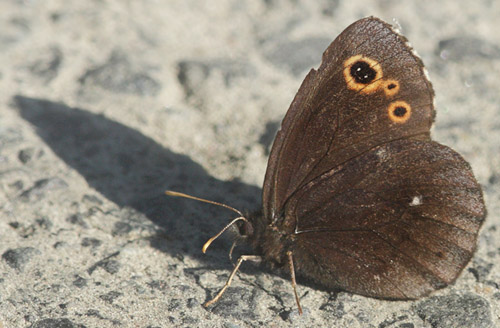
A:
x: 105, y: 104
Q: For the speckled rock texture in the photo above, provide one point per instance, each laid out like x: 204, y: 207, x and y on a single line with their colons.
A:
x: 106, y: 104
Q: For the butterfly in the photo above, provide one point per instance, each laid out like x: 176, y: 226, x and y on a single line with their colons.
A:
x: 357, y: 196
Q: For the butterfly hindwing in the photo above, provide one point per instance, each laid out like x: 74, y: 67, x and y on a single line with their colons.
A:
x: 404, y: 217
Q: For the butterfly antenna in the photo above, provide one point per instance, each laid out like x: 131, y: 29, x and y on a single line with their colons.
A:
x: 240, y: 218
x: 180, y: 194
x: 204, y: 249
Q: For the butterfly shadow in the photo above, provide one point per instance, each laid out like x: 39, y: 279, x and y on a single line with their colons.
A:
x: 133, y: 171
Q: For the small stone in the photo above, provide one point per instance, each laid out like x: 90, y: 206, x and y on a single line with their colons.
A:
x: 238, y: 302
x: 41, y: 187
x: 80, y: 282
x: 158, y: 284
x: 191, y: 75
x: 397, y: 321
x: 481, y: 269
x: 91, y: 242
x: 450, y: 311
x: 77, y: 219
x: 91, y: 199
x: 60, y: 244
x: 121, y: 228
x: 44, y: 223
x: 192, y: 302
x: 118, y: 75
x: 111, y: 296
x: 26, y: 231
x: 18, y: 258
x: 47, y: 65
x: 25, y: 155
x: 110, y: 266
x: 94, y: 313
x: 174, y: 304
x: 17, y: 185
x: 335, y: 308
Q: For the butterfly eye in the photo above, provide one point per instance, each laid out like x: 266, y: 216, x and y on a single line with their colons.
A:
x: 362, y: 74
x: 391, y: 87
x: 399, y: 111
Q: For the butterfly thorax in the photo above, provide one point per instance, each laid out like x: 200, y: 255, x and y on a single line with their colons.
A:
x: 268, y: 239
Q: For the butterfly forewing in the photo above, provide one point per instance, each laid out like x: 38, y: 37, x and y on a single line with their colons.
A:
x: 328, y: 123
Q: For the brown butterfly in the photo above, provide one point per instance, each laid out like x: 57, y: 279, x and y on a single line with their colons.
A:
x: 356, y: 195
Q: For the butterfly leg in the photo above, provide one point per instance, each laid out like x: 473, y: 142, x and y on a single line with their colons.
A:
x: 231, y: 251
x: 253, y: 258
x: 294, y: 282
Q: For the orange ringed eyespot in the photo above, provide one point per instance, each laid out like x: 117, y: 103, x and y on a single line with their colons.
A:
x: 362, y: 74
x: 399, y: 111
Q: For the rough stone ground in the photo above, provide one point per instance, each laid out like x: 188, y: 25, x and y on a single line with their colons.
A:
x: 105, y: 104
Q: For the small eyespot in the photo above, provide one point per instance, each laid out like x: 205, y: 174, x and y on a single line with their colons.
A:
x: 362, y: 74
x: 399, y: 111
x: 391, y: 87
